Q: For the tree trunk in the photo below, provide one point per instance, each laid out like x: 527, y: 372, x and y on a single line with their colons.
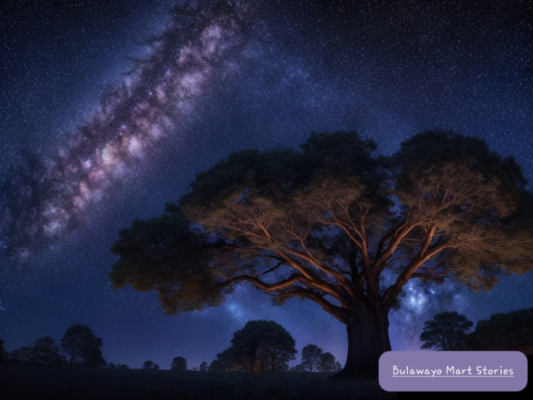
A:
x: 368, y: 339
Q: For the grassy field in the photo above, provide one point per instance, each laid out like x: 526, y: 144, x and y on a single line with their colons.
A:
x: 30, y: 382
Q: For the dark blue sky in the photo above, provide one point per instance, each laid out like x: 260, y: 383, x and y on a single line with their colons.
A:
x: 387, y: 71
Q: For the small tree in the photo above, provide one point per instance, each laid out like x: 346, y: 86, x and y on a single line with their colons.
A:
x: 148, y: 364
x: 122, y: 366
x: 311, y: 357
x: 446, y: 331
x: 260, y: 346
x: 178, y: 364
x: 203, y: 366
x: 83, y: 348
x: 111, y: 365
x: 156, y: 366
x: 326, y: 363
x: 46, y: 351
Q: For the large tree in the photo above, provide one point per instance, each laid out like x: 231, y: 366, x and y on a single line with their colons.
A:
x: 334, y: 224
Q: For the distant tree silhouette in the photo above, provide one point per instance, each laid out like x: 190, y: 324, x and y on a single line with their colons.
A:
x: 511, y: 331
x: 24, y: 355
x: 311, y: 357
x: 3, y: 352
x: 111, y: 365
x: 122, y: 366
x: 446, y: 331
x: 226, y: 361
x: 262, y: 346
x: 178, y: 364
x: 156, y: 366
x: 203, y: 366
x: 326, y: 362
x: 46, y: 352
x: 327, y: 222
x: 148, y: 364
x: 83, y: 348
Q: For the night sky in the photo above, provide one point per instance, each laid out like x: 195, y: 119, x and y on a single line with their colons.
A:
x: 386, y: 71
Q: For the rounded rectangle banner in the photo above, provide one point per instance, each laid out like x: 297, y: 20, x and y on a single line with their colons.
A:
x: 453, y: 371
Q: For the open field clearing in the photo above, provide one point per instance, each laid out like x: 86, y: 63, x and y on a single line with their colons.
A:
x: 19, y: 381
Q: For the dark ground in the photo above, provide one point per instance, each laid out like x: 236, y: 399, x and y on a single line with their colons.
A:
x: 31, y: 382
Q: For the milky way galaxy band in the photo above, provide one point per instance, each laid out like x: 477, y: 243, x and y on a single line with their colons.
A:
x: 41, y: 199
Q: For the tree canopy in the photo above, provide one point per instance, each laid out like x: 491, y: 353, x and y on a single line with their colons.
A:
x: 328, y: 222
x: 511, y: 331
x: 311, y: 357
x: 46, y: 352
x: 328, y: 363
x: 315, y: 360
x: 446, y: 331
x: 260, y: 346
x: 82, y: 346
x: 179, y: 364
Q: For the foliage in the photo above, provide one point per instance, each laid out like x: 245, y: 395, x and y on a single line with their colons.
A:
x: 327, y: 363
x: 203, y: 366
x: 311, y: 355
x: 111, y: 365
x: 148, y: 364
x: 156, y: 366
x: 164, y: 254
x: 226, y: 361
x: 511, y: 331
x: 81, y: 346
x: 327, y: 222
x: 24, y: 355
x: 179, y: 364
x: 46, y: 352
x: 122, y: 366
x: 260, y: 346
x: 446, y: 331
x: 313, y: 360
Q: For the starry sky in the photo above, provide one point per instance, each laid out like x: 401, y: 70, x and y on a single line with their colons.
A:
x: 95, y: 139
